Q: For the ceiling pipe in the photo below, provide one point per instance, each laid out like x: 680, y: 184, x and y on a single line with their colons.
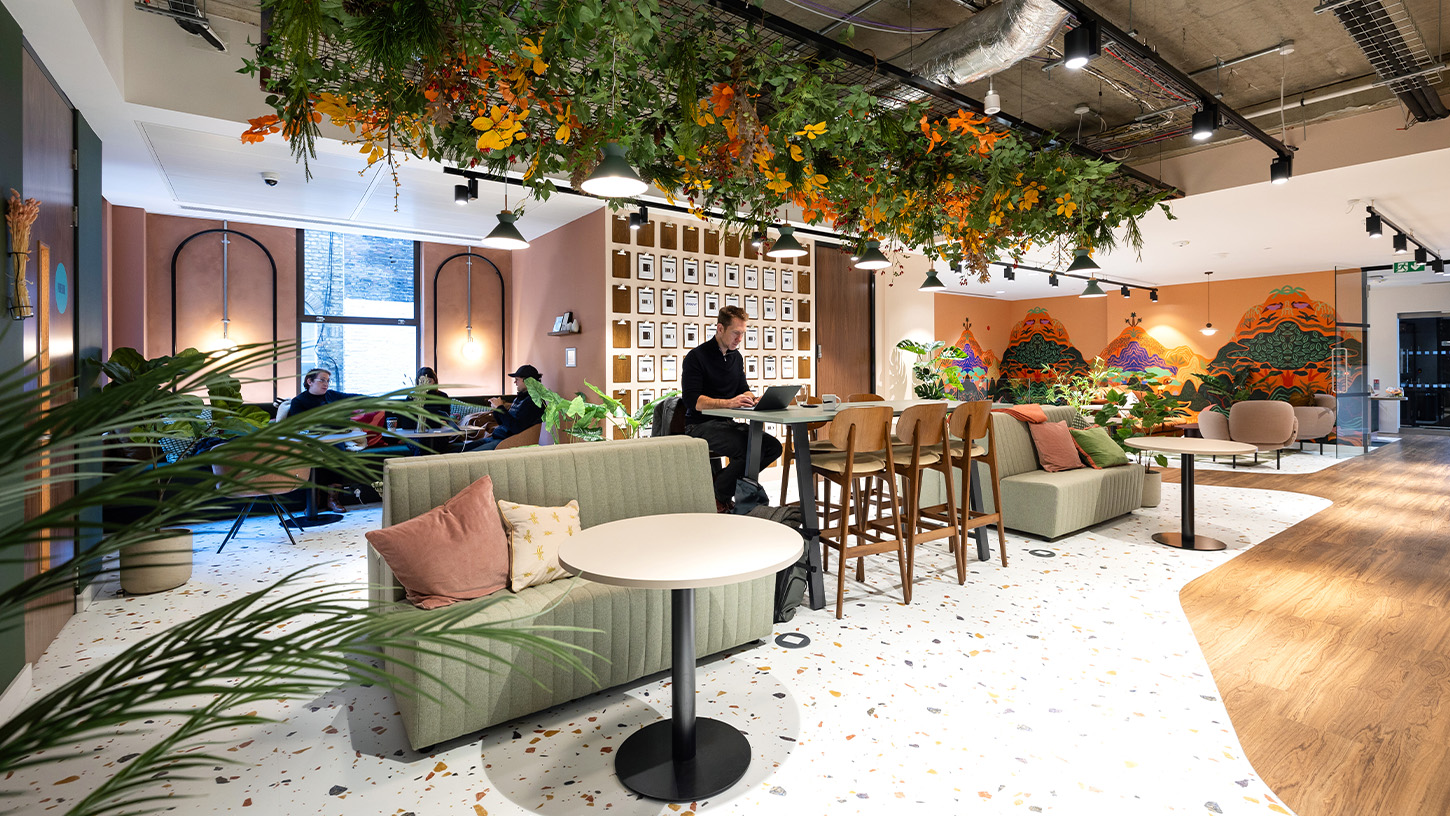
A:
x: 989, y: 41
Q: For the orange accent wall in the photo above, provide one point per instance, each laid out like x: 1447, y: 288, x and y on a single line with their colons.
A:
x: 563, y: 271
x: 1175, y: 320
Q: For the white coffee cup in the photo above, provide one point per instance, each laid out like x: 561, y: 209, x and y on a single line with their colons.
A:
x: 830, y: 402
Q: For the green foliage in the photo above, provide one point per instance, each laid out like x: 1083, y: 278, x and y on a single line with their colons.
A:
x: 937, y: 376
x: 1080, y: 391
x: 1023, y: 391
x: 589, y: 421
x: 220, y: 414
x: 1154, y: 407
x: 294, y: 639
x: 1224, y: 390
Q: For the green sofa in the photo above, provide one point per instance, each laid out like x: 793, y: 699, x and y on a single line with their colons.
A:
x: 611, y: 480
x: 1052, y: 505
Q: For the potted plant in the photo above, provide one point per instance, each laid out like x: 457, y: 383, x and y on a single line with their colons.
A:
x: 1152, y: 408
x: 588, y: 421
x: 1082, y: 391
x: 937, y: 377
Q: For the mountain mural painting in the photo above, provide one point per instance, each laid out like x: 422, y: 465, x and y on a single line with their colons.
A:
x: 1040, y: 340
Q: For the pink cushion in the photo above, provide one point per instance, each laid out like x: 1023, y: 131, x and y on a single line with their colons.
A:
x: 1055, y: 448
x: 455, y: 552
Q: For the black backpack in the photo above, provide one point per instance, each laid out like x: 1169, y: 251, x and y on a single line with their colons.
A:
x: 790, y: 583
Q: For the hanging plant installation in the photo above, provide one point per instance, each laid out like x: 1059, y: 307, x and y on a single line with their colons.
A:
x: 736, y: 124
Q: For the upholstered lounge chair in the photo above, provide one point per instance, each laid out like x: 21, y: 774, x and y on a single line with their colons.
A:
x: 1269, y: 425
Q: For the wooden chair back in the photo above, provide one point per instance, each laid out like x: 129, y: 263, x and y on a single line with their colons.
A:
x: 264, y: 483
x: 971, y: 420
x: 865, y: 398
x: 863, y: 429
x: 528, y: 436
x: 922, y: 424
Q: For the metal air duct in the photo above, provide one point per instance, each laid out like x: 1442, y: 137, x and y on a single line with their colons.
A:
x: 988, y: 42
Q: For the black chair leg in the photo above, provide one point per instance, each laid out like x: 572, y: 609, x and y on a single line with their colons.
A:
x: 1278, y: 463
x: 282, y: 517
x: 236, y: 525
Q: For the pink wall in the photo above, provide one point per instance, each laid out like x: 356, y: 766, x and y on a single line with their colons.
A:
x: 562, y: 271
x: 483, y: 374
x: 126, y: 278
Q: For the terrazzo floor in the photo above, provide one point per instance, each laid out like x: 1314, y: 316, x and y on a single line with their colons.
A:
x: 1068, y: 682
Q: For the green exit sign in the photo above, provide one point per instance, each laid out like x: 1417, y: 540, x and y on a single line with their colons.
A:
x: 1408, y: 266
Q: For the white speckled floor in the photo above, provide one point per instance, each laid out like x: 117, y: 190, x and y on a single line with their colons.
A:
x: 1068, y: 684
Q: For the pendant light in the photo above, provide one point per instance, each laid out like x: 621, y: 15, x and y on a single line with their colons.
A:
x: 227, y: 343
x: 614, y: 178
x: 872, y: 258
x: 506, y: 235
x: 786, y: 246
x: 992, y: 102
x: 1093, y: 290
x: 1083, y: 262
x: 932, y: 283
x: 1208, y: 330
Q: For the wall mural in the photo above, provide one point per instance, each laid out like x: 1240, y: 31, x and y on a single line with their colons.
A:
x: 980, y: 368
x: 1135, y: 350
x: 1039, y: 340
x: 1289, y: 342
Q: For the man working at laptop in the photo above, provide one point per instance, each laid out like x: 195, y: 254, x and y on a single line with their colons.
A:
x: 714, y: 377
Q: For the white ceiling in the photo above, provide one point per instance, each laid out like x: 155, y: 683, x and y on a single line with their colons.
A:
x: 177, y: 150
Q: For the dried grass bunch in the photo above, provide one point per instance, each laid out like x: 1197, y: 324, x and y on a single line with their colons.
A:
x: 19, y: 216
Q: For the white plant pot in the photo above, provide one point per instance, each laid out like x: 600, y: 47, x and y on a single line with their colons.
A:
x: 1152, y: 488
x: 156, y: 566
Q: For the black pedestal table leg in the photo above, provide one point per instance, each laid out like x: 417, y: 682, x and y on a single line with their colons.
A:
x: 810, y: 522
x: 1185, y: 469
x: 686, y: 758
x: 752, y: 449
x: 312, y: 518
x: 979, y: 504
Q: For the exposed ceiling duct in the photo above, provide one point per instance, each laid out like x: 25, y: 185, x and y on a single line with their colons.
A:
x: 989, y: 41
x: 1387, y: 35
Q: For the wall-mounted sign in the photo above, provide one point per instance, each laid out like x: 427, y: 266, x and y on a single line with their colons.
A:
x: 1408, y: 266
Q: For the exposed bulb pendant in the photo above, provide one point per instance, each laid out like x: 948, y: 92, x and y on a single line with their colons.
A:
x: 873, y: 258
x: 1208, y: 330
x: 614, y: 178
x: 786, y: 246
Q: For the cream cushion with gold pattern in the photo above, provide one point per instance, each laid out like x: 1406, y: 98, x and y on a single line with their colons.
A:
x: 535, y: 534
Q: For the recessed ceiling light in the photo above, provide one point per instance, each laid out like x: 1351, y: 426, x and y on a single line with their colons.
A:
x: 1180, y: 244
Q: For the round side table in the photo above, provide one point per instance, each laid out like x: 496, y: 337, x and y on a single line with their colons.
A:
x: 1187, y: 448
x: 685, y: 758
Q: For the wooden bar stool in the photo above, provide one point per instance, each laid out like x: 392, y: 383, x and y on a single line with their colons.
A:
x: 968, y: 422
x: 921, y: 445
x: 788, y: 454
x: 863, y: 435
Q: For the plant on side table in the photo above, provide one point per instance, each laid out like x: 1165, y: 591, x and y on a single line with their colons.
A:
x: 1153, y: 407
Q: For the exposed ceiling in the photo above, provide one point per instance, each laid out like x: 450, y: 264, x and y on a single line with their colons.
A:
x: 170, y: 123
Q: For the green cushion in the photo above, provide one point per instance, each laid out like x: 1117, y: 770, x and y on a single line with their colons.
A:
x: 1100, y: 447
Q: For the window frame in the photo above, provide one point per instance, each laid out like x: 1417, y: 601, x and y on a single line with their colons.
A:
x: 303, y: 318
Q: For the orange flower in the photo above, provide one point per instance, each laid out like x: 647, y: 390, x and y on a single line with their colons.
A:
x: 261, y: 128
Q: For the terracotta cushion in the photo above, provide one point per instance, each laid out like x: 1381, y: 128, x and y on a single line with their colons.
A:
x: 378, y: 418
x: 1055, y: 449
x: 455, y: 552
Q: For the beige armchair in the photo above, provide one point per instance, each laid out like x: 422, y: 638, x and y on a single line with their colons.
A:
x: 1317, y: 421
x: 1269, y: 425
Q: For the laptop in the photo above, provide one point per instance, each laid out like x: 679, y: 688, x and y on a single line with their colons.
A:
x: 777, y: 397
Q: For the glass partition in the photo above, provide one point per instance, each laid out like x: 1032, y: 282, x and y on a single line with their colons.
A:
x: 1349, y: 357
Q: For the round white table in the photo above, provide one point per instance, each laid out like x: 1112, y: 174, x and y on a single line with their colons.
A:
x: 1188, y: 448
x: 685, y: 758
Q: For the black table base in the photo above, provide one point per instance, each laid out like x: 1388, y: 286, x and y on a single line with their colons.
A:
x: 1186, y: 539
x: 312, y: 518
x: 685, y: 758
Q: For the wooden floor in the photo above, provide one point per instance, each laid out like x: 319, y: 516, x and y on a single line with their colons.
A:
x: 1331, y: 641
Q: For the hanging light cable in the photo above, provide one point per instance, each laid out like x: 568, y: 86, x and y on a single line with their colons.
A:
x: 613, y: 178
x: 470, y: 349
x: 1208, y: 330
x: 226, y: 342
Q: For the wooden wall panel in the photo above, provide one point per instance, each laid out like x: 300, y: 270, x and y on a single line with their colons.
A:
x: 844, y: 317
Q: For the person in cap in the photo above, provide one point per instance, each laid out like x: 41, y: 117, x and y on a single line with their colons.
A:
x: 518, y: 416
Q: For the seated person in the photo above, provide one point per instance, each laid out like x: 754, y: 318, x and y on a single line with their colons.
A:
x: 714, y: 377
x: 317, y: 391
x: 518, y: 416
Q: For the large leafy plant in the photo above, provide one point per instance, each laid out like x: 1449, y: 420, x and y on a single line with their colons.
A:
x: 1081, y: 391
x: 738, y: 129
x: 294, y: 639
x: 937, y: 375
x: 221, y: 413
x: 1225, y: 389
x: 590, y: 421
x: 1152, y: 408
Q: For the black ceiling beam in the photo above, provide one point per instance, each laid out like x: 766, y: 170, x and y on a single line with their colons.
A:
x: 1121, y: 39
x: 830, y: 48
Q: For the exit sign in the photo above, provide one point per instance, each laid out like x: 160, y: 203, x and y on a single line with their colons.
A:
x: 1408, y: 266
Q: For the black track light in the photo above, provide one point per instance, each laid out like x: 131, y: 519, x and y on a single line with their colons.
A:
x: 1281, y: 169
x: 634, y: 222
x: 1422, y: 255
x: 1052, y: 279
x: 1126, y: 292
x: 1205, y: 121
x: 643, y: 214
x: 1081, y: 44
x: 1374, y: 226
x: 1009, y: 274
x: 1438, y: 266
x: 1153, y: 295
x: 460, y: 194
x: 1402, y: 244
x: 757, y: 240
